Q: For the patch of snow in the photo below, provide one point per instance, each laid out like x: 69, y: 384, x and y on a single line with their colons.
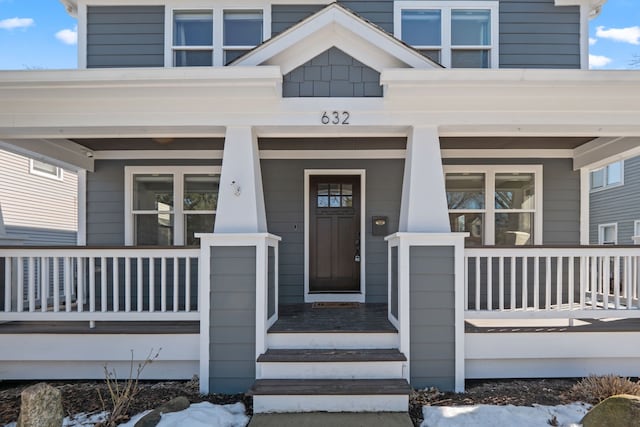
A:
x: 503, y: 416
x: 202, y: 414
x: 83, y: 419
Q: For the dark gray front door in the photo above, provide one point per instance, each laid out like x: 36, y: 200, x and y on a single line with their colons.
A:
x: 334, y: 233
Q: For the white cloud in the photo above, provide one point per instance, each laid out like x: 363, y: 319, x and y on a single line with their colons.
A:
x: 68, y: 36
x: 13, y: 23
x: 596, y: 61
x: 626, y: 35
x: 592, y: 41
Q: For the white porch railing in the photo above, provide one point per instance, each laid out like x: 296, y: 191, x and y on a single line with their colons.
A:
x: 582, y: 282
x: 105, y: 284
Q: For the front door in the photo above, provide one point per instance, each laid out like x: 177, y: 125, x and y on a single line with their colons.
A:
x: 334, y: 234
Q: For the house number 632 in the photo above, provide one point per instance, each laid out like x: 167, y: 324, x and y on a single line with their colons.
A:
x: 335, y: 117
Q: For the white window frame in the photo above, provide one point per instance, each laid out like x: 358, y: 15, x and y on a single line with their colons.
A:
x: 173, y: 48
x: 446, y: 7
x: 58, y: 176
x: 602, y: 227
x: 606, y: 185
x: 218, y: 9
x: 178, y: 173
x: 636, y: 227
x: 489, y: 210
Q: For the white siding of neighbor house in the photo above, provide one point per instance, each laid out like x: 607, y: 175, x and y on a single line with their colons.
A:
x: 39, y: 209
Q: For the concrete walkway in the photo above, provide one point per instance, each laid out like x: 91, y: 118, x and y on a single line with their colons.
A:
x: 324, y: 419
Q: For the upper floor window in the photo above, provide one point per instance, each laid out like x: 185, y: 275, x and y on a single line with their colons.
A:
x: 456, y: 34
x: 609, y: 176
x: 496, y: 205
x: 206, y: 37
x: 36, y: 167
x: 166, y: 206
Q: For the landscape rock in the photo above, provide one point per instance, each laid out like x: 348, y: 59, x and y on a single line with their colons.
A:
x: 152, y: 419
x: 41, y: 406
x: 622, y: 410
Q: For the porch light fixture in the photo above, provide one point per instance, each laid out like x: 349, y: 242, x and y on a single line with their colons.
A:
x: 236, y: 188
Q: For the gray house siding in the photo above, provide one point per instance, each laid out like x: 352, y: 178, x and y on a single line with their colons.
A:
x: 105, y: 197
x: 333, y: 73
x: 617, y: 204
x: 560, y: 196
x: 125, y: 36
x: 533, y: 33
x: 232, y: 329
x: 283, y: 183
x: 432, y: 307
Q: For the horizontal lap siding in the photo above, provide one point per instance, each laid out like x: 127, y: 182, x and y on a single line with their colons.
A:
x: 618, y: 204
x: 232, y: 319
x: 283, y: 183
x: 432, y: 302
x: 538, y: 34
x: 105, y: 197
x: 125, y: 36
x: 560, y: 196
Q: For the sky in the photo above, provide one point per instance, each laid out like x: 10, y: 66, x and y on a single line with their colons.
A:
x: 39, y: 34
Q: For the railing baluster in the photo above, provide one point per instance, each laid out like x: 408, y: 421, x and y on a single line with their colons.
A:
x: 559, y: 284
x: 477, y: 283
x: 187, y: 285
x: 512, y: 289
x: 103, y: 284
x: 163, y: 284
x: 501, y: 282
x: 20, y: 285
x: 44, y: 284
x: 67, y: 284
x: 80, y: 284
x: 139, y: 287
x: 525, y: 283
x: 56, y: 284
x: 92, y: 284
x: 536, y: 283
x: 616, y: 282
x: 606, y: 281
x: 628, y: 277
x: 584, y: 265
x: 571, y: 277
x: 127, y: 284
x: 594, y: 282
x: 175, y: 284
x: 32, y: 284
x: 152, y: 285
x: 547, y: 284
x: 489, y: 283
x: 115, y: 282
x: 7, y: 284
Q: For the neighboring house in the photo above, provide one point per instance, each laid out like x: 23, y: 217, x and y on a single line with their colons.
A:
x: 369, y: 195
x: 615, y: 203
x: 38, y: 202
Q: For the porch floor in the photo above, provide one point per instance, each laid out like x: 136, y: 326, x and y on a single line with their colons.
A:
x: 303, y: 318
x: 551, y: 325
x: 100, y: 328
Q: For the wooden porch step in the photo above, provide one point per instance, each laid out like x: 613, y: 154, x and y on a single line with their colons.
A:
x: 331, y: 355
x: 301, y: 387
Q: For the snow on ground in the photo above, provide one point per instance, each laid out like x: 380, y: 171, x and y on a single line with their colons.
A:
x: 504, y: 416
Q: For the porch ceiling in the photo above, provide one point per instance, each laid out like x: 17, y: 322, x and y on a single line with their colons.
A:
x: 160, y: 143
x: 512, y: 143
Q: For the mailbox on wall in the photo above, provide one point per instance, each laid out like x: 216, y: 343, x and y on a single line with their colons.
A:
x: 379, y: 225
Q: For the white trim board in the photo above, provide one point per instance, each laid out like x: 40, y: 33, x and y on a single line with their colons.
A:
x: 350, y: 297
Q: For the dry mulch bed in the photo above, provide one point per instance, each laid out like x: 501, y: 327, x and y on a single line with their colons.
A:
x: 82, y: 396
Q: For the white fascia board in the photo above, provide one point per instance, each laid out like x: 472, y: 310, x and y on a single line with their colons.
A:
x: 62, y: 153
x: 334, y: 26
x: 602, y: 151
x: 593, y: 6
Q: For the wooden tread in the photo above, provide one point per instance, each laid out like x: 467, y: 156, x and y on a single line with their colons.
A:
x: 332, y: 355
x: 329, y: 387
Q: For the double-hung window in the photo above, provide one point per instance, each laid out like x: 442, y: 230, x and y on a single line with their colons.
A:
x: 496, y: 205
x: 608, y: 176
x: 166, y: 206
x: 203, y: 36
x: 456, y: 34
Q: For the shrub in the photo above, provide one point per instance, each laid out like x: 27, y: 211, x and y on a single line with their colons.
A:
x: 596, y: 388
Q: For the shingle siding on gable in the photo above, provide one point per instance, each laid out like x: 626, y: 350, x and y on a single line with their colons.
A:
x: 125, y: 36
x: 333, y: 73
x: 617, y: 204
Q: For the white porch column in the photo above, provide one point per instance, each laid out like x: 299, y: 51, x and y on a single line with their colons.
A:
x: 240, y: 199
x: 424, y: 202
